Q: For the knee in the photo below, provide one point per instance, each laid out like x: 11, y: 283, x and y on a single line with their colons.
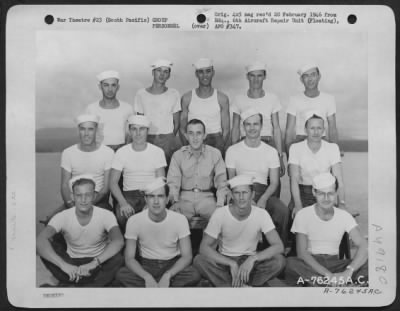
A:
x: 280, y: 262
x: 278, y: 207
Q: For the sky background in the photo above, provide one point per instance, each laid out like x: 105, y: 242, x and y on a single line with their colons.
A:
x: 67, y: 63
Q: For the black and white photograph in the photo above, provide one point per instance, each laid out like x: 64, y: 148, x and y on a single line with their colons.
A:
x: 187, y: 151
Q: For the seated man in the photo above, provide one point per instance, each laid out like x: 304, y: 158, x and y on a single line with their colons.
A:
x: 236, y: 228
x: 93, y: 241
x: 253, y: 157
x: 319, y: 229
x: 139, y: 162
x: 163, y: 239
x: 195, y: 170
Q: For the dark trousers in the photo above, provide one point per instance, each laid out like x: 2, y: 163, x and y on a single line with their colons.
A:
x: 220, y: 275
x: 100, y: 277
x: 278, y: 211
x: 299, y: 273
x: 216, y: 140
x: 167, y: 142
x: 185, y: 278
x: 136, y: 199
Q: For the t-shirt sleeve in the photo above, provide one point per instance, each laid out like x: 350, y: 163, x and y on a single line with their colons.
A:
x: 349, y: 221
x: 160, y: 161
x: 214, y: 226
x: 57, y: 221
x: 109, y: 220
x: 177, y: 102
x: 293, y: 155
x: 331, y: 106
x: 229, y: 158
x: 299, y: 223
x: 137, y: 103
x: 274, y: 162
x: 183, y: 227
x: 118, y: 161
x: 132, y: 228
x: 335, y: 154
x: 266, y: 222
x: 276, y: 105
x: 235, y: 106
x: 66, y: 161
x: 109, y: 156
x: 291, y: 109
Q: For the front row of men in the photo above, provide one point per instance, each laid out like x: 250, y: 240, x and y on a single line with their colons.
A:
x: 158, y: 249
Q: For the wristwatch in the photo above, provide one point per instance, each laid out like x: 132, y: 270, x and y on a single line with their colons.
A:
x: 98, y: 262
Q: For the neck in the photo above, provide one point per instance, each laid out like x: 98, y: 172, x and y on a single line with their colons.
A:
x: 205, y: 90
x: 252, y: 142
x: 196, y: 152
x: 139, y: 147
x: 255, y: 93
x: 235, y: 212
x: 324, y: 213
x: 159, y: 217
x: 157, y: 88
x: 84, y: 214
x: 87, y: 148
x: 311, y: 92
x: 314, y: 145
x: 109, y: 102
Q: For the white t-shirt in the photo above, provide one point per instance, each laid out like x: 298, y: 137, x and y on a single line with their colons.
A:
x: 323, y: 236
x: 138, y: 167
x: 159, y: 109
x: 96, y: 162
x: 113, y: 122
x: 252, y: 161
x: 84, y: 241
x: 266, y: 105
x: 238, y: 237
x: 157, y: 240
x: 312, y: 164
x: 299, y: 104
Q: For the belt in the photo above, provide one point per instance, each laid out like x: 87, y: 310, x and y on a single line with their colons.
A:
x: 197, y: 190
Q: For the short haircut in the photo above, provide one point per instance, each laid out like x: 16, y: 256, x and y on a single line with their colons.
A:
x: 166, y: 188
x: 195, y: 121
x: 314, y: 116
x: 261, y: 119
x: 83, y: 181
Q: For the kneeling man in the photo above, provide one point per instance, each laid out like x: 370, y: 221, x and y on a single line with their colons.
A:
x: 163, y: 238
x: 93, y: 241
x: 238, y: 227
x: 319, y: 229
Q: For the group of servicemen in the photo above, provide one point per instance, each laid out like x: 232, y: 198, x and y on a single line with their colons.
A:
x: 224, y: 181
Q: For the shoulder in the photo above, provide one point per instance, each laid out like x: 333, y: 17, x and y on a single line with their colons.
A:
x: 123, y: 150
x: 220, y: 212
x: 305, y: 213
x: 343, y: 214
x: 176, y: 217
x: 222, y: 97
x: 141, y: 91
x: 70, y: 149
x: 103, y: 213
x: 173, y: 91
x: 213, y: 151
x: 330, y: 146
x: 137, y: 219
x: 125, y: 106
x: 153, y: 148
x: 326, y: 96
x: 93, y: 106
x: 267, y: 148
x: 187, y: 97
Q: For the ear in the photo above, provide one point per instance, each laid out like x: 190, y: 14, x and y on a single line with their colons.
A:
x: 118, y: 86
x: 186, y: 136
x: 72, y: 195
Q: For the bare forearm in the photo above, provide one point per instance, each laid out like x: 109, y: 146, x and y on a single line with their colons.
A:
x: 45, y: 250
x: 216, y: 256
x: 313, y: 263
x: 296, y: 194
x: 135, y: 267
x: 269, y: 252
x: 111, y: 249
x: 179, y: 265
x: 116, y: 191
x: 278, y: 140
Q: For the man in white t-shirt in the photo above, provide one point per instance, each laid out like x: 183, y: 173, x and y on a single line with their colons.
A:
x: 311, y: 99
x: 93, y: 239
x: 139, y: 162
x: 208, y: 105
x: 163, y: 240
x: 162, y: 107
x: 266, y: 103
x: 236, y: 229
x: 112, y: 112
x: 312, y: 157
x: 319, y: 229
x: 253, y: 157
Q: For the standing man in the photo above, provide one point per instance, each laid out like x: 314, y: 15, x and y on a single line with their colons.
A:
x: 311, y: 99
x: 163, y: 239
x: 195, y: 171
x: 208, y: 105
x: 319, y: 229
x: 266, y: 103
x: 112, y: 112
x: 310, y: 158
x: 139, y: 163
x: 161, y: 105
x: 255, y: 158
x: 236, y: 228
x: 93, y: 241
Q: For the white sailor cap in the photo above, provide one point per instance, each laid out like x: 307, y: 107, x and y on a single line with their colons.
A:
x: 309, y: 113
x: 161, y: 63
x: 107, y: 75
x: 240, y: 180
x: 157, y: 183
x: 203, y: 63
x: 323, y: 180
x: 82, y: 176
x: 139, y: 120
x: 248, y: 113
x: 87, y: 118
x: 306, y: 67
x: 257, y: 65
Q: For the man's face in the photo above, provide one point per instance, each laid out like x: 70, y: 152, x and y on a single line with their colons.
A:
x: 256, y: 79
x: 83, y: 196
x: 252, y: 126
x: 205, y: 75
x: 161, y: 74
x: 138, y: 133
x: 242, y: 197
x: 109, y: 88
x: 315, y: 129
x: 311, y: 78
x: 195, y: 135
x: 156, y: 201
x: 326, y: 197
x: 87, y: 133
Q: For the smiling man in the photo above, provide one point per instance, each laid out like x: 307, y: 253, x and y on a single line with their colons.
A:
x: 93, y: 240
x: 236, y: 229
x: 163, y: 239
x: 139, y: 162
x: 162, y: 107
x: 319, y: 229
x: 208, y: 105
